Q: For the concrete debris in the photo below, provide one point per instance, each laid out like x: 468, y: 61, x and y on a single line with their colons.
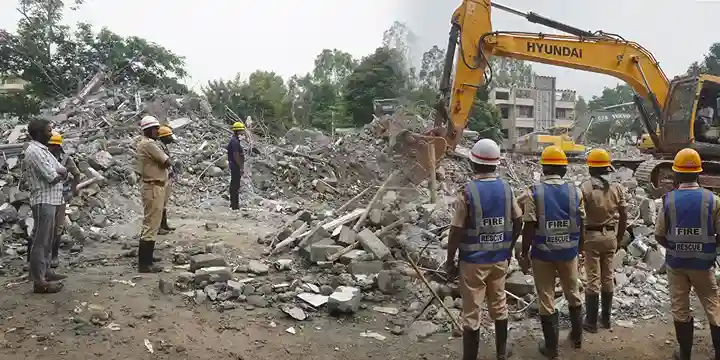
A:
x: 345, y: 299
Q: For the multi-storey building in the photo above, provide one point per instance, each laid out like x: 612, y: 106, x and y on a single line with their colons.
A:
x: 524, y: 110
x: 10, y: 84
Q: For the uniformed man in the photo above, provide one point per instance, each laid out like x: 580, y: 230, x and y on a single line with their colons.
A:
x: 69, y: 185
x: 485, y: 227
x: 553, y: 228
x: 606, y: 218
x: 687, y: 226
x: 236, y: 159
x: 152, y: 165
x: 165, y: 136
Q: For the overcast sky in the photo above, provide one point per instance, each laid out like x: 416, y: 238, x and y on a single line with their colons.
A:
x: 220, y: 38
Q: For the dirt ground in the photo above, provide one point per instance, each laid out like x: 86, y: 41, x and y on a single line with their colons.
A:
x: 63, y: 326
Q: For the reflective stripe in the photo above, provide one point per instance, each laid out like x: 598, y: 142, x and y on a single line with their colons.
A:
x: 488, y: 235
x: 484, y: 246
x: 490, y: 228
x: 557, y: 235
x: 691, y: 241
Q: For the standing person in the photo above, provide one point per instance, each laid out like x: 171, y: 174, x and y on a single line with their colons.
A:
x: 152, y: 165
x: 68, y: 192
x: 236, y: 159
x: 165, y: 135
x: 687, y: 225
x: 45, y: 177
x: 554, y: 230
x: 606, y: 217
x: 485, y: 227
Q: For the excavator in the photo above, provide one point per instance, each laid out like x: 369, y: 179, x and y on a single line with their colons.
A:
x: 673, y: 103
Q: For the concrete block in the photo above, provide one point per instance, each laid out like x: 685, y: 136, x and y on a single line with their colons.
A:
x: 348, y: 236
x: 345, y: 299
x: 359, y: 267
x: 319, y: 251
x: 352, y: 255
x: 213, y: 274
x: 520, y: 284
x: 372, y: 244
x: 200, y: 261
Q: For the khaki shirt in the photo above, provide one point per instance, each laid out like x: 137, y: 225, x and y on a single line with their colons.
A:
x: 460, y: 206
x: 149, y: 158
x: 601, y: 207
x: 530, y: 213
x: 661, y: 225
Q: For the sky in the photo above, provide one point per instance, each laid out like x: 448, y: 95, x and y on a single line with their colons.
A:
x: 221, y: 38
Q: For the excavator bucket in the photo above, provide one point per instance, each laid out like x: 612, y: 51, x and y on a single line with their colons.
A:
x: 416, y: 152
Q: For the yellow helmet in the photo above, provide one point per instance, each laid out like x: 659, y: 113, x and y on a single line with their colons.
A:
x: 55, y: 139
x: 687, y: 161
x: 598, y: 158
x: 553, y: 155
x: 238, y: 126
x: 164, y: 131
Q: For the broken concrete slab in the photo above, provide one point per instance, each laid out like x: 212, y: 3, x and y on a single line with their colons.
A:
x: 351, y: 255
x: 345, y: 299
x: 200, y: 261
x: 213, y: 274
x: 374, y: 245
x: 520, y: 284
x: 314, y: 300
x: 319, y: 251
x: 360, y: 267
x: 348, y: 236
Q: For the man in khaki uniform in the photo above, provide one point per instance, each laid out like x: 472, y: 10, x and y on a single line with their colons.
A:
x: 687, y: 226
x: 485, y: 227
x: 152, y: 165
x: 606, y: 218
x: 554, y: 229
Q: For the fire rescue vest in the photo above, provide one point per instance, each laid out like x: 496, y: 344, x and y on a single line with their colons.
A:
x: 557, y: 235
x: 489, y: 224
x: 690, y: 229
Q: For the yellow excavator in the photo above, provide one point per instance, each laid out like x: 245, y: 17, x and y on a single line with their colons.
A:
x: 674, y: 103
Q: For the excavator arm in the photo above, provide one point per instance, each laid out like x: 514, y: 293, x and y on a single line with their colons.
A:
x: 473, y: 38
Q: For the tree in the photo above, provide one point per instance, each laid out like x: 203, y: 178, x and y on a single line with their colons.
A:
x: 581, y: 107
x: 378, y: 76
x: 509, y: 72
x: 621, y: 93
x: 710, y: 64
x: 400, y: 38
x: 485, y: 117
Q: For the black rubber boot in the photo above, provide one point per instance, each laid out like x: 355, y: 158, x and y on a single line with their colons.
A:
x: 145, y: 258
x: 684, y: 336
x: 576, y: 330
x: 549, y: 348
x: 501, y: 335
x: 164, y: 223
x: 471, y: 343
x: 715, y: 335
x: 592, y: 302
x: 606, y: 297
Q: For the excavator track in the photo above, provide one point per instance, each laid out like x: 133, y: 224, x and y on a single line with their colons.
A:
x: 657, y: 175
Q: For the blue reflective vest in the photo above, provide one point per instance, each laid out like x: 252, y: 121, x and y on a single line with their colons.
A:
x: 690, y: 229
x: 557, y: 236
x: 489, y: 225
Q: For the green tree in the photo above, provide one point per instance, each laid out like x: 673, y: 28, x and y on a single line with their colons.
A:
x: 581, y: 107
x: 378, y: 76
x: 509, y: 72
x: 710, y: 64
x: 485, y: 117
x: 621, y: 93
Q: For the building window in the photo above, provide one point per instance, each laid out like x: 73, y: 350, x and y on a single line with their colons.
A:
x: 525, y: 111
x: 523, y: 94
x: 561, y: 114
x: 504, y: 112
x: 502, y: 95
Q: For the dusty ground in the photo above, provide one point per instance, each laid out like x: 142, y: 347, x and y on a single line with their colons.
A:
x: 52, y: 327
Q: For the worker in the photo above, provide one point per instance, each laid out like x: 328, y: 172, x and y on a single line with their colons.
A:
x: 606, y: 218
x: 554, y: 230
x: 236, y: 159
x: 704, y: 119
x: 165, y: 136
x: 152, y: 165
x: 45, y: 176
x: 485, y: 226
x: 55, y: 145
x: 687, y: 226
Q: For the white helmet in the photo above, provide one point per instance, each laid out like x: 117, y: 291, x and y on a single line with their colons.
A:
x: 485, y: 152
x: 148, y: 122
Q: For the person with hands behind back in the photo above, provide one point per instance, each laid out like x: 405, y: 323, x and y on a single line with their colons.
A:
x: 485, y: 226
x: 553, y: 229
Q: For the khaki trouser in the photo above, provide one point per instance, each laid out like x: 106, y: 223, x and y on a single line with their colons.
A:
x: 544, y: 273
x: 705, y: 285
x: 478, y: 281
x: 168, y: 191
x: 153, y: 197
x: 599, y: 254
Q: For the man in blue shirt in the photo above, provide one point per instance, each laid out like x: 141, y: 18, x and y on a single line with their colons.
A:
x: 236, y: 159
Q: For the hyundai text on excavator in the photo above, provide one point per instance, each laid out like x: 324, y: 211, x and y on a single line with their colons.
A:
x: 674, y: 103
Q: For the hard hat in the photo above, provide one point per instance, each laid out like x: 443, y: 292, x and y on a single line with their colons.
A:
x: 598, y: 158
x: 687, y: 161
x: 148, y: 122
x: 164, y: 131
x: 55, y: 139
x: 238, y: 126
x: 553, y: 155
x: 485, y: 152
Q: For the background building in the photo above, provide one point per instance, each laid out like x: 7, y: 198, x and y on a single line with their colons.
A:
x: 10, y: 84
x: 542, y: 106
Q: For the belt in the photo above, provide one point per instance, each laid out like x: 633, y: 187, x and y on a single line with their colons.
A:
x: 154, y: 182
x: 600, y: 227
